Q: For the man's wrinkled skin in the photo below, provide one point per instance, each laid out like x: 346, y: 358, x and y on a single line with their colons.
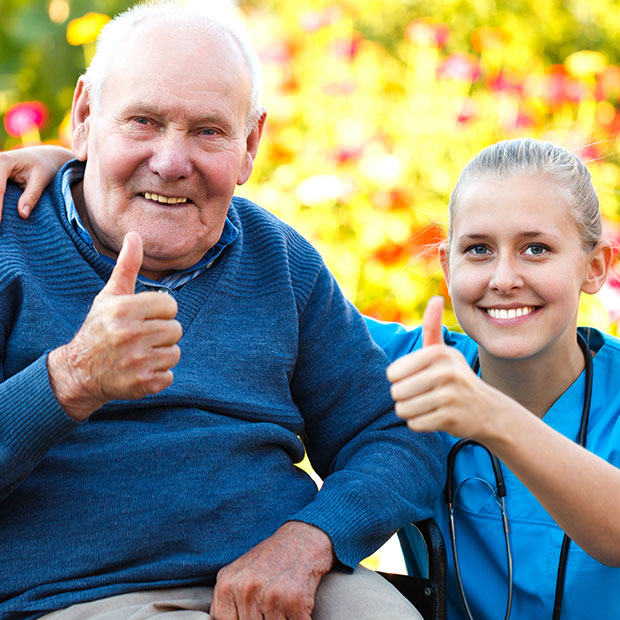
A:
x: 277, y: 579
x: 126, y: 346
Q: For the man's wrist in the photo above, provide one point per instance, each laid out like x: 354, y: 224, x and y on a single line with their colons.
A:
x: 66, y: 387
x: 318, y: 543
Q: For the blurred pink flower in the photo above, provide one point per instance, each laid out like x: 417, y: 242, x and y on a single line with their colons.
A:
x: 315, y: 20
x: 347, y: 48
x: 608, y: 84
x: 461, y: 67
x: 468, y: 111
x: 505, y: 82
x: 24, y: 117
x: 426, y: 32
x: 559, y: 88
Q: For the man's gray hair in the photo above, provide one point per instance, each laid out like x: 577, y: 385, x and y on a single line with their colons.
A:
x: 527, y: 156
x: 207, y: 14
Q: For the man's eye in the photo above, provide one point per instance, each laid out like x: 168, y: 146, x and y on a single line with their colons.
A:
x: 141, y: 120
x: 208, y: 132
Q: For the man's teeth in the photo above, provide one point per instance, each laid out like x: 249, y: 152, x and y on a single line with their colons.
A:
x: 170, y: 200
x: 513, y: 313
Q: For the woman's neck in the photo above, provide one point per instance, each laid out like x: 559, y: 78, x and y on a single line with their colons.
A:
x: 535, y: 382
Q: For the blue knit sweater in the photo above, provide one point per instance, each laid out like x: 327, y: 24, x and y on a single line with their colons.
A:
x: 164, y: 491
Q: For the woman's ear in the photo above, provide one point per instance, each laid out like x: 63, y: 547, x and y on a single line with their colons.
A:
x: 80, y: 118
x: 444, y: 259
x: 597, y: 267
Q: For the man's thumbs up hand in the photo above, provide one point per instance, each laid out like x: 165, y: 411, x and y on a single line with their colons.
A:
x: 125, y: 347
x: 125, y: 272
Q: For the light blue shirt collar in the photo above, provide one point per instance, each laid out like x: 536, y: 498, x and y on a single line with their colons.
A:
x: 75, y: 173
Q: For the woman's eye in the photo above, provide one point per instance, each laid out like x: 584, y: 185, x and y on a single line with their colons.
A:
x: 477, y: 250
x: 536, y: 250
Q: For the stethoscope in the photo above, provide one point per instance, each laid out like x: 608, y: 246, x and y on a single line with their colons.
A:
x: 500, y: 494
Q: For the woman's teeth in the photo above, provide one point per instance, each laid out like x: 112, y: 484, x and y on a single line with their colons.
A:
x: 512, y: 313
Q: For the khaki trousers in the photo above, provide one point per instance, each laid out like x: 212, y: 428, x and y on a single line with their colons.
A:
x: 363, y: 595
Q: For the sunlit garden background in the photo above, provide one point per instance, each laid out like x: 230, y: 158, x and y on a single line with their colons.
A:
x: 374, y: 108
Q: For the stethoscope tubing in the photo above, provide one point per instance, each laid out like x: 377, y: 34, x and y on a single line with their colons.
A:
x: 451, y: 493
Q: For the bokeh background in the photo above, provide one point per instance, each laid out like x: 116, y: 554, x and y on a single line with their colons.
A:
x: 374, y: 108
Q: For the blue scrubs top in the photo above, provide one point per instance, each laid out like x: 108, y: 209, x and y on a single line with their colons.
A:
x: 591, y: 589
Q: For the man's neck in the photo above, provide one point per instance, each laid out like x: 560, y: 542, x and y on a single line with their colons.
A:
x: 77, y: 191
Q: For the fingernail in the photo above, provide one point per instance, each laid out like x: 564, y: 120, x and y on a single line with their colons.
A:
x: 24, y: 211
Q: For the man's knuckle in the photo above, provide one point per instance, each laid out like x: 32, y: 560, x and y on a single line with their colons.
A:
x: 161, y: 382
x: 178, y: 330
x: 175, y: 356
x: 224, y: 586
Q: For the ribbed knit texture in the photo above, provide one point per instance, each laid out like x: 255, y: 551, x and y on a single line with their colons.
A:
x: 165, y: 491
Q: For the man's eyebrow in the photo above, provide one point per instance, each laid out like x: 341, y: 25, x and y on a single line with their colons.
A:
x: 141, y: 109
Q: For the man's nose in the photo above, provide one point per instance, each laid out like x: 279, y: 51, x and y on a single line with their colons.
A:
x: 171, y: 157
x: 506, y: 274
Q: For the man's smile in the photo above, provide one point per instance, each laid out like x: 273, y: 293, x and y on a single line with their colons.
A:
x: 171, y: 200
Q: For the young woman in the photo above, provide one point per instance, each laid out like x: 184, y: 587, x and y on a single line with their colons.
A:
x: 522, y: 384
x: 524, y: 242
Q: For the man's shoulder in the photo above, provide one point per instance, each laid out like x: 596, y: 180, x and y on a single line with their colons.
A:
x: 12, y: 193
x: 28, y: 233
x: 262, y: 229
x: 250, y: 213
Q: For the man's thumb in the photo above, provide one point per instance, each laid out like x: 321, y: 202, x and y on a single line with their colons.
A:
x: 123, y: 278
x: 431, y: 322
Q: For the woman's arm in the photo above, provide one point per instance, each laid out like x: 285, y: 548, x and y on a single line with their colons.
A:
x: 32, y: 168
x: 435, y: 389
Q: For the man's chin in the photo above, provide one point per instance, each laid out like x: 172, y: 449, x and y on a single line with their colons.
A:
x: 160, y: 267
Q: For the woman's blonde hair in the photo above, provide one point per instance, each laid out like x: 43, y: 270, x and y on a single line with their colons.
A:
x: 527, y: 156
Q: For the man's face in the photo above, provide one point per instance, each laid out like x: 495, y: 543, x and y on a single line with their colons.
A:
x: 167, y: 146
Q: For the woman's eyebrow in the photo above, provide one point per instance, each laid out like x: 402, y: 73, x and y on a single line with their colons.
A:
x: 526, y: 234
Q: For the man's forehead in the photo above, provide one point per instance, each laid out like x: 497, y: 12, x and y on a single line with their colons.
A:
x: 162, y: 59
x: 167, y: 40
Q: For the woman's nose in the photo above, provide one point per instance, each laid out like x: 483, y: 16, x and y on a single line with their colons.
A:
x: 506, y: 275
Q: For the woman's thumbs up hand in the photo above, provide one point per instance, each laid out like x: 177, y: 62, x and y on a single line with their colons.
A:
x: 434, y: 388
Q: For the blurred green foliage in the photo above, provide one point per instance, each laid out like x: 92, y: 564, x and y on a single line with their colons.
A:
x: 36, y: 62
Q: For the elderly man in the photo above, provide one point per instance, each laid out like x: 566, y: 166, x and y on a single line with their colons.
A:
x: 127, y: 492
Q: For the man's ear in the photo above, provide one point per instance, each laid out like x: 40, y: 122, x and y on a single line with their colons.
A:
x: 444, y: 259
x: 597, y: 267
x: 80, y: 120
x: 252, y: 142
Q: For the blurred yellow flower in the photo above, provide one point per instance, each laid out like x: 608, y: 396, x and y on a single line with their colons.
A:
x: 585, y: 63
x: 86, y: 29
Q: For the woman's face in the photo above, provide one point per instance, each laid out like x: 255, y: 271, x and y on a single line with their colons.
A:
x: 515, y: 266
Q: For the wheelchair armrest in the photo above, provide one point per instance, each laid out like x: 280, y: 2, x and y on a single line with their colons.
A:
x: 424, y: 551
